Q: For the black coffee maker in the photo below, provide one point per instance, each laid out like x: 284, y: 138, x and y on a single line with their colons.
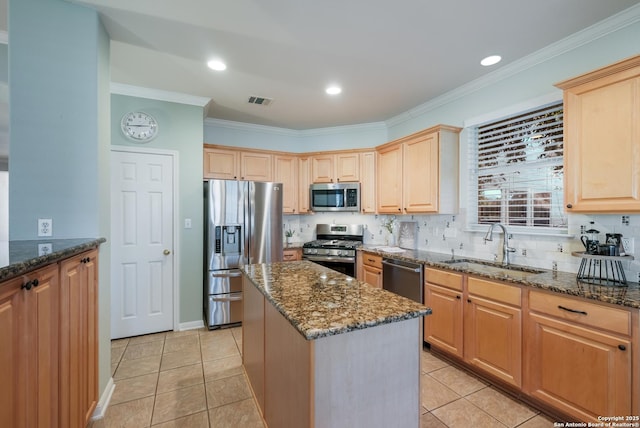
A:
x: 590, y: 241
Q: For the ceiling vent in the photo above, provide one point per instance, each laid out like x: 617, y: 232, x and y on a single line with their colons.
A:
x: 263, y: 101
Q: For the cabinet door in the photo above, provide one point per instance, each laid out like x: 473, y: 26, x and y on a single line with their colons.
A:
x: 602, y: 141
x: 29, y: 350
x: 582, y: 372
x: 286, y: 172
x: 291, y: 255
x: 253, y: 339
x: 323, y: 168
x: 443, y: 328
x: 78, y: 339
x: 493, y: 338
x: 347, y: 167
x: 304, y: 181
x: 372, y: 276
x: 390, y: 180
x: 420, y: 185
x: 256, y: 166
x: 368, y: 182
x: 221, y: 164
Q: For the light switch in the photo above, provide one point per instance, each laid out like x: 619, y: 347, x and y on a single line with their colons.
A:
x: 187, y: 223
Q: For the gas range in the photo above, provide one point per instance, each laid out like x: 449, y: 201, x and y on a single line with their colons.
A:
x: 335, y: 246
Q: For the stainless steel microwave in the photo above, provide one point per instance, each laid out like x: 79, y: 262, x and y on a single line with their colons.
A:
x: 335, y: 197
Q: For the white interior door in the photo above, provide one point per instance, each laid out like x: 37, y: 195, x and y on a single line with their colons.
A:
x: 141, y: 243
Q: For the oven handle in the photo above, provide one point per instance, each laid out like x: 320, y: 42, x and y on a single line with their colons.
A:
x: 329, y: 259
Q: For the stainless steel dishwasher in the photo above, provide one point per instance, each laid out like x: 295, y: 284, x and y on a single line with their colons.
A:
x: 403, y: 278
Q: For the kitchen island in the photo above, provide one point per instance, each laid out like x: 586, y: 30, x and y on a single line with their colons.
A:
x: 322, y: 349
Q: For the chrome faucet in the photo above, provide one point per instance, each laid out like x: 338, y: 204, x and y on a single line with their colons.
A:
x: 505, y: 243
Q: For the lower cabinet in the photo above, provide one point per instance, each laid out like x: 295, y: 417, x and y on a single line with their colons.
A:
x: 372, y: 269
x: 575, y: 365
x: 443, y: 294
x: 573, y: 356
x: 493, y: 329
x: 29, y: 349
x: 49, y: 345
x: 78, y: 339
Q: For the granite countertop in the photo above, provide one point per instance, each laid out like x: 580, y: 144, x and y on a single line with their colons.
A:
x: 321, y: 302
x: 556, y: 281
x: 18, y: 257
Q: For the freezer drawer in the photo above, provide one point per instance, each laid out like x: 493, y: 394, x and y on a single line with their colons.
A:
x: 224, y: 309
x: 224, y: 281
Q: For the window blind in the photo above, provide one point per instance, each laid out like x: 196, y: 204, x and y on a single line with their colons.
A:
x: 517, y: 175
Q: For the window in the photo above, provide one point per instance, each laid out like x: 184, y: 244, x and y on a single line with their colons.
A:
x: 518, y: 175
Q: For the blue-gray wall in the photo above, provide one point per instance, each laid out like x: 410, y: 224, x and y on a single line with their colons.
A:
x: 180, y: 129
x: 59, y: 122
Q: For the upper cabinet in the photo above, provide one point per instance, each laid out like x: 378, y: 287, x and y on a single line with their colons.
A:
x: 334, y: 168
x: 304, y: 180
x: 231, y: 164
x: 286, y: 172
x: 368, y: 182
x: 602, y: 139
x: 419, y: 173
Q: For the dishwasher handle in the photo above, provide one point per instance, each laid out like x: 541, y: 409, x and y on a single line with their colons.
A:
x: 399, y: 266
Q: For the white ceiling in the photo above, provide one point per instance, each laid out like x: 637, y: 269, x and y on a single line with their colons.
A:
x: 389, y: 56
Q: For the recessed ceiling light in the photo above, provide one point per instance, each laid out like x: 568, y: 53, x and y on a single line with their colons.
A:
x: 490, y: 60
x: 217, y: 65
x: 333, y: 90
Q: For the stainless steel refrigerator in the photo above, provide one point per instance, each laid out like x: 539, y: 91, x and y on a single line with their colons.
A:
x: 243, y: 225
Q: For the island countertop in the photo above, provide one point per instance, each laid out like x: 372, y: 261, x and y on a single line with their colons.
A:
x: 320, y: 302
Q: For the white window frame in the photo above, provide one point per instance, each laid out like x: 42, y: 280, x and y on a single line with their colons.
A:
x: 470, y: 126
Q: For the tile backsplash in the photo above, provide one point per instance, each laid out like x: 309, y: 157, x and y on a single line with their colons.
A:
x: 449, y: 234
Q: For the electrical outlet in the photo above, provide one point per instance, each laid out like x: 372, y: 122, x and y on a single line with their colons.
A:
x: 45, y: 227
x: 44, y: 249
x: 628, y: 244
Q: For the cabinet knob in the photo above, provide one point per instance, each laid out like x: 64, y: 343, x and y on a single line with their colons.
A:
x: 468, y: 300
x: 458, y: 297
x: 399, y: 209
x: 622, y: 347
x: 569, y: 206
x: 35, y: 282
x: 30, y: 284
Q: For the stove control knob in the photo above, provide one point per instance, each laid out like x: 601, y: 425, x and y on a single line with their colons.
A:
x: 313, y: 251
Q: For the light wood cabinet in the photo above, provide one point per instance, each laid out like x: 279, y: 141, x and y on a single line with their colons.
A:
x: 419, y: 173
x: 372, y: 269
x: 443, y: 293
x: 304, y: 181
x: 493, y: 329
x: 286, y: 172
x: 580, y: 356
x: 291, y: 254
x: 368, y: 182
x: 230, y: 164
x: 334, y: 168
x: 602, y: 139
x: 78, y: 339
x: 29, y: 349
x: 221, y: 163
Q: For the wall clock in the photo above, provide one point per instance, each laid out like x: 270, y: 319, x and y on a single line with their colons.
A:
x: 139, y: 126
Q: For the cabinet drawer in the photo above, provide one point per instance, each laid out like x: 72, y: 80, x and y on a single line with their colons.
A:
x: 590, y: 314
x: 290, y: 255
x: 443, y: 278
x: 504, y: 293
x: 372, y: 260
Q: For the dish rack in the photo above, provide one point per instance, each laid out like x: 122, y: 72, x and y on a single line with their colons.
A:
x: 601, y: 270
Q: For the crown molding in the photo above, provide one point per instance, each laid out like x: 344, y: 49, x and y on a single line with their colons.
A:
x: 241, y: 126
x: 4, y: 37
x: 582, y: 37
x: 157, y: 94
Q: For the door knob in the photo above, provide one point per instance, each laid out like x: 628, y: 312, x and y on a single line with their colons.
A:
x: 166, y: 252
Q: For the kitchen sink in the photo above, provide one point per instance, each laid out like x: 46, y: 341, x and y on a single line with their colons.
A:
x: 475, y: 266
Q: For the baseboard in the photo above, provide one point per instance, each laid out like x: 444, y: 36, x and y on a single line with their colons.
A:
x: 191, y: 325
x: 105, y: 399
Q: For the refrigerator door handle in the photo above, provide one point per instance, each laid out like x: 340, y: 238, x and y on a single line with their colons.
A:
x: 227, y: 274
x: 236, y: 298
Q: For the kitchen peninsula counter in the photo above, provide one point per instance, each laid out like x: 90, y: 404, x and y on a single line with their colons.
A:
x: 19, y: 257
x: 323, y: 349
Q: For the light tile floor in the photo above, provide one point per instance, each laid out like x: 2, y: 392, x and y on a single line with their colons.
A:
x: 195, y: 379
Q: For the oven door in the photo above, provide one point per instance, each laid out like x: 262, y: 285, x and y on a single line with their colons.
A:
x: 345, y: 265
